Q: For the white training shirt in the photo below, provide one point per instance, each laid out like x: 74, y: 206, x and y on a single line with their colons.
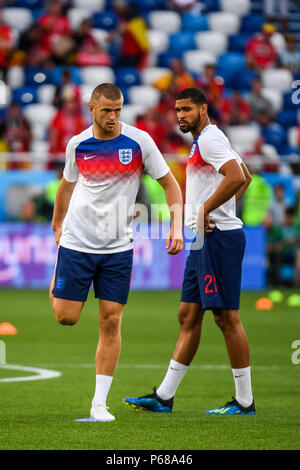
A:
x: 108, y: 175
x: 211, y: 149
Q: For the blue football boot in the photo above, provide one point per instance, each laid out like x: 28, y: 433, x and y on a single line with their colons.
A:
x: 233, y: 408
x: 150, y: 402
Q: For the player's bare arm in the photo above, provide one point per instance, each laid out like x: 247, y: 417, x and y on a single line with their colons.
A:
x: 234, y: 179
x: 175, y: 203
x: 62, y: 201
x: 248, y: 177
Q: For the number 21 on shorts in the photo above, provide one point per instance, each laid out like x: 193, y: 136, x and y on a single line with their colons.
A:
x: 210, y: 284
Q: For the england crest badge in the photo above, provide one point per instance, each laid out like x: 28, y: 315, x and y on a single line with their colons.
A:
x: 125, y: 156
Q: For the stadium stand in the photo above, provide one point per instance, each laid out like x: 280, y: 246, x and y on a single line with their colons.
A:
x: 216, y: 34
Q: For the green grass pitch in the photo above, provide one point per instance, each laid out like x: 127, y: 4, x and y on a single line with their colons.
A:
x: 40, y: 414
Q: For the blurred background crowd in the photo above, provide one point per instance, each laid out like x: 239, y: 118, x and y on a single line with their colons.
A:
x: 244, y: 54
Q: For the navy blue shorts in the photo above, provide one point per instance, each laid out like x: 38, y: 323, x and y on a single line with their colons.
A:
x: 110, y: 274
x: 212, y: 275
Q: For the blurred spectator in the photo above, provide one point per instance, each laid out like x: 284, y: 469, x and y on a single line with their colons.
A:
x: 213, y: 86
x: 264, y: 155
x: 173, y: 142
x: 45, y: 203
x: 290, y: 56
x: 15, y: 130
x: 279, y: 205
x: 6, y: 44
x: 175, y: 80
x: 260, y: 52
x: 283, y: 242
x: 150, y: 122
x: 87, y: 50
x: 257, y: 199
x: 56, y: 32
x: 28, y: 212
x: 273, y: 250
x: 235, y: 110
x: 261, y: 109
x: 36, y: 52
x: 277, y: 9
x: 135, y: 47
x: 66, y: 90
x: 67, y: 122
x: 192, y: 6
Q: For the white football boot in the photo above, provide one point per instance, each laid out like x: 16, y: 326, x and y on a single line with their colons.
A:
x: 99, y: 412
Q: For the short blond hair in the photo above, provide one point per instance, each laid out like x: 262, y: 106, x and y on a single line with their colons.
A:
x: 110, y: 91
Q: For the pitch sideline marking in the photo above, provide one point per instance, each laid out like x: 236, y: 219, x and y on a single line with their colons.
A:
x: 41, y: 374
x: 161, y: 366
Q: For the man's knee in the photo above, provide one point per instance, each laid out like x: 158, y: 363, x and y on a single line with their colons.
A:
x: 65, y: 315
x: 227, y: 321
x: 189, y: 315
x: 110, y: 323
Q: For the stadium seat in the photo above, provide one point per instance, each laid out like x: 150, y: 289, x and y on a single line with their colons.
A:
x: 130, y: 112
x: 196, y: 60
x: 38, y: 76
x: 292, y: 136
x: 25, y: 95
x: 146, y: 6
x: 127, y: 76
x: 97, y: 75
x: 241, y: 7
x: 224, y: 22
x: 275, y: 96
x: 5, y: 97
x: 237, y: 42
x: 194, y: 22
x: 15, y: 76
x: 151, y: 74
x: 252, y: 23
x: 100, y: 35
x: 181, y: 42
x: 242, y: 138
x: 76, y: 16
x: 38, y: 130
x: 145, y: 94
x: 74, y: 71
x: 230, y: 66
x: 18, y: 18
x: 287, y: 118
x: 168, y: 21
x: 278, y: 41
x: 291, y: 99
x: 245, y: 79
x: 46, y: 93
x: 40, y: 113
x: 90, y: 5
x: 29, y: 3
x: 278, y: 79
x: 212, y: 41
x: 107, y: 20
x: 275, y: 135
x: 85, y: 92
x: 159, y: 41
x: 165, y: 59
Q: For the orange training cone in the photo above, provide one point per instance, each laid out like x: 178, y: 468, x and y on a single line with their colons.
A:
x: 8, y: 329
x: 264, y: 304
